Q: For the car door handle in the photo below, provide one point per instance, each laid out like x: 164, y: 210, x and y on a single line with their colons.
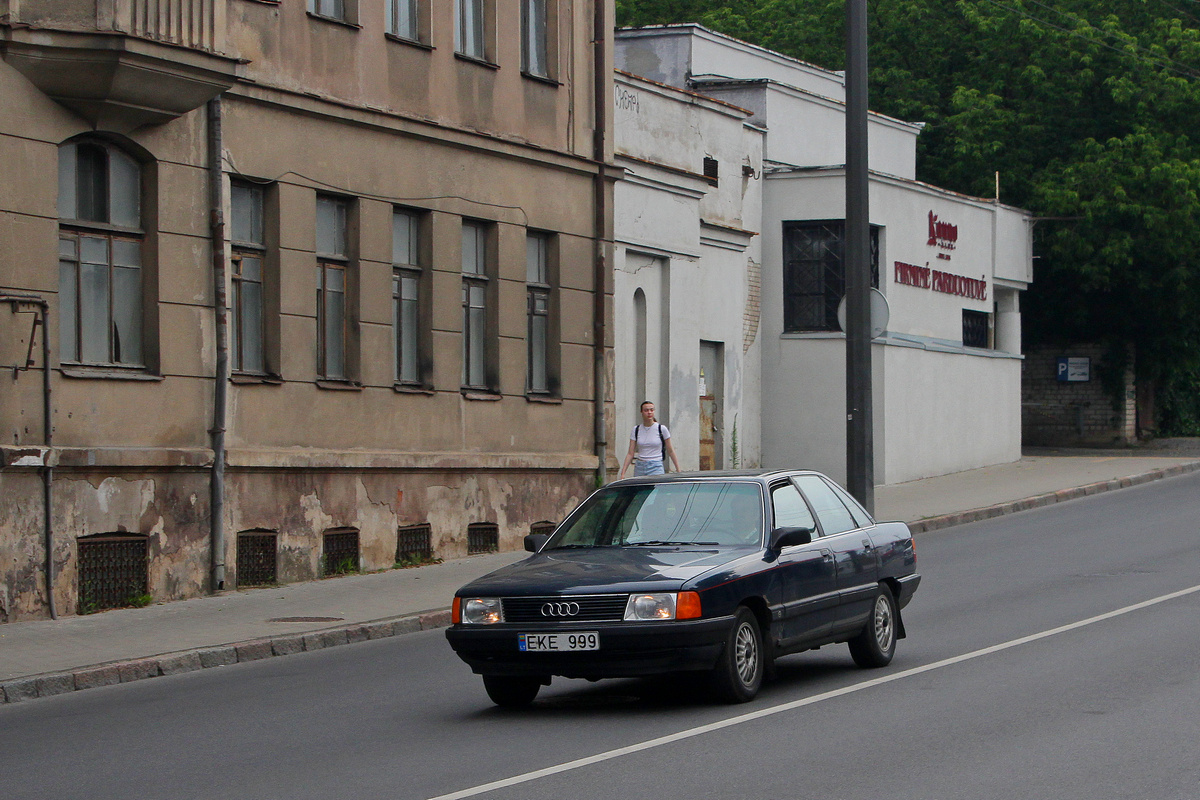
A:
x: 867, y: 544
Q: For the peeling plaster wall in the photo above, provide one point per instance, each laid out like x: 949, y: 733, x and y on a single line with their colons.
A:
x: 301, y: 506
x: 171, y: 509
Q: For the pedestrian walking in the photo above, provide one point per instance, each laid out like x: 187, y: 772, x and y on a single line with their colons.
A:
x: 649, y: 445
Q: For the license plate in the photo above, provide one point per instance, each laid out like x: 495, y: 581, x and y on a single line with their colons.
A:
x: 558, y: 642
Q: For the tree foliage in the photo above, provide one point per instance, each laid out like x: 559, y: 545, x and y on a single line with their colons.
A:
x: 1089, y: 110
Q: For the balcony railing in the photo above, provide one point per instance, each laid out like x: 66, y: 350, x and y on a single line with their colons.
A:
x: 197, y: 24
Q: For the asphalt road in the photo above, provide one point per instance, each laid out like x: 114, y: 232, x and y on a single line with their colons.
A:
x: 1051, y: 654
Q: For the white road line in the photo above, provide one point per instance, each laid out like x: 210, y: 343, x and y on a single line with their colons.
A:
x: 807, y: 701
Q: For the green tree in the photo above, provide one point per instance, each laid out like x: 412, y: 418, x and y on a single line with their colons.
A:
x: 1087, y: 109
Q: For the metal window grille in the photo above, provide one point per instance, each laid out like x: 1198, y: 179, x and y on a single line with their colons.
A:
x: 257, y: 564
x: 974, y: 328
x: 482, y: 537
x: 340, y: 552
x: 814, y: 273
x: 413, y: 544
x: 113, y: 569
x: 712, y: 170
x: 545, y: 526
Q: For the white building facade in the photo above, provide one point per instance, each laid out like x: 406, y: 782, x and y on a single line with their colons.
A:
x: 946, y: 373
x: 687, y: 271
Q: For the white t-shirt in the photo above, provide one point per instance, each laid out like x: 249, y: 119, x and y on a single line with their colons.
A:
x: 649, y: 445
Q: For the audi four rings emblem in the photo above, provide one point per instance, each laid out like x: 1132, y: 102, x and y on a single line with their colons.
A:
x: 560, y: 609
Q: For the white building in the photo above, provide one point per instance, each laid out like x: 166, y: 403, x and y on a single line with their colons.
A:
x: 687, y: 271
x: 946, y: 374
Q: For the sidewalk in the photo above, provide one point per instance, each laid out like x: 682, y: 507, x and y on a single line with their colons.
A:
x: 46, y: 657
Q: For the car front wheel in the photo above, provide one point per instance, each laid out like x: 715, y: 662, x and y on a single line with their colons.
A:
x: 511, y: 692
x: 739, y: 673
x: 876, y: 644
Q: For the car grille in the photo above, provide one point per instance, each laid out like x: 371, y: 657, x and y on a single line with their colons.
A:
x: 591, y: 608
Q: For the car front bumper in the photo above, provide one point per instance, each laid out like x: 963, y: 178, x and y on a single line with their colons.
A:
x: 627, y: 649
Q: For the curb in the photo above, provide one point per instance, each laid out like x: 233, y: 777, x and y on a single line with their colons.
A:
x: 31, y: 687
x: 1050, y: 498
x: 28, y: 688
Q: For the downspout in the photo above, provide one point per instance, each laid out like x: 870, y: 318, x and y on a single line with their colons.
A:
x: 221, y: 379
x: 47, y: 467
x: 48, y: 433
x: 600, y: 278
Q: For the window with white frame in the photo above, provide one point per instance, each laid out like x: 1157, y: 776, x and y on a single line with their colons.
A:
x: 406, y: 295
x: 247, y: 315
x: 402, y: 19
x: 333, y: 262
x: 535, y: 38
x: 469, y: 28
x: 538, y: 289
x: 100, y: 255
x: 475, y: 258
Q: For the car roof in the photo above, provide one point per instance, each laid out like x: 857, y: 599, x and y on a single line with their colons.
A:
x: 714, y: 475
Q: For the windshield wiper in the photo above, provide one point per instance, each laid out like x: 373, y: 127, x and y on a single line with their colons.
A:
x: 662, y: 543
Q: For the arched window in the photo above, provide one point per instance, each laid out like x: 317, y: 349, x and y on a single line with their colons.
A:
x: 99, y: 255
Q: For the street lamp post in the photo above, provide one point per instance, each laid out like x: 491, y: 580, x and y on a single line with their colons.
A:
x: 860, y: 457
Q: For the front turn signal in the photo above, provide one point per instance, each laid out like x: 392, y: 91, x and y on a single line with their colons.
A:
x: 456, y: 611
x: 687, y: 605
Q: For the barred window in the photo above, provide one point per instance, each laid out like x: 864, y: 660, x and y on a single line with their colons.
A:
x: 814, y: 273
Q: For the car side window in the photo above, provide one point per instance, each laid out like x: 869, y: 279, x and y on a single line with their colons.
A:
x: 790, y: 509
x: 861, y: 517
x: 832, y: 512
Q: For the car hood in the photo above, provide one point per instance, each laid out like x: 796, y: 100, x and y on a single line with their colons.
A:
x: 602, y: 569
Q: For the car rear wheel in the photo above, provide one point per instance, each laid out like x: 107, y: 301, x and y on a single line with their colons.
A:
x: 511, y: 692
x: 739, y: 674
x: 876, y: 644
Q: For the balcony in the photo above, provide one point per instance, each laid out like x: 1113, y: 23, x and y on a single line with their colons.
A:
x: 120, y: 64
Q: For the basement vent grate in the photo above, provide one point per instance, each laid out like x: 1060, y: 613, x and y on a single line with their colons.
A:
x: 256, y: 559
x: 340, y: 552
x: 413, y: 544
x: 482, y: 537
x: 113, y: 571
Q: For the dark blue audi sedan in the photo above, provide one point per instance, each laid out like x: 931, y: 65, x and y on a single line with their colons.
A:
x: 713, y: 572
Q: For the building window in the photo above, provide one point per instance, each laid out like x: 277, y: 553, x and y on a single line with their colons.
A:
x: 100, y: 255
x: 814, y: 274
x: 406, y: 295
x: 341, y: 10
x: 333, y: 262
x: 469, y: 28
x: 538, y: 290
x: 712, y: 171
x: 475, y: 262
x: 975, y: 326
x: 402, y: 19
x: 249, y: 250
x: 535, y: 48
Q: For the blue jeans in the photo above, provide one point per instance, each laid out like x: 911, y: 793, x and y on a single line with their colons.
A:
x: 641, y: 467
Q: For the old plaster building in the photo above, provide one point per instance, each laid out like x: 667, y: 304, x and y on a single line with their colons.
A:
x: 319, y: 287
x: 946, y: 367
x: 687, y: 271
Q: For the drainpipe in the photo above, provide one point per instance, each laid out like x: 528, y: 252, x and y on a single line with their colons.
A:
x: 48, y: 433
x: 221, y: 381
x: 600, y: 278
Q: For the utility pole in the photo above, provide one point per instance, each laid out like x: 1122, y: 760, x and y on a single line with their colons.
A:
x: 860, y: 456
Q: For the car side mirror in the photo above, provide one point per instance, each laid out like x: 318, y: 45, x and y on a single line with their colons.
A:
x: 534, y: 541
x: 788, y: 537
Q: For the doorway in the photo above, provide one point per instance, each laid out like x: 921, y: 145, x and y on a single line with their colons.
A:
x: 712, y: 390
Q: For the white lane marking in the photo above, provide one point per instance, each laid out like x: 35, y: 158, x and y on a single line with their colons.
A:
x: 807, y: 701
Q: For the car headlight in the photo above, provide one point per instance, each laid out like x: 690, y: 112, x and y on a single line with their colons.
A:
x: 662, y: 605
x: 480, y: 610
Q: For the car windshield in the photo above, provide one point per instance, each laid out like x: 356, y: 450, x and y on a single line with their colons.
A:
x: 666, y: 514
